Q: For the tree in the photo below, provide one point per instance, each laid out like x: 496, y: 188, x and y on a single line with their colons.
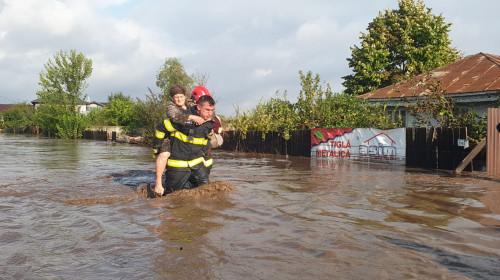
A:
x: 436, y: 109
x: 172, y: 72
x: 399, y: 44
x: 315, y: 108
x: 149, y: 113
x: 120, y: 110
x: 200, y: 79
x: 19, y: 117
x: 63, y: 83
x: 64, y: 79
x: 309, y: 95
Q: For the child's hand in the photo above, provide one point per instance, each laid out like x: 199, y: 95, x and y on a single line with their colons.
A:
x: 197, y: 119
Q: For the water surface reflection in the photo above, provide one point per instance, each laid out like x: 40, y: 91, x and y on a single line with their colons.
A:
x: 69, y: 210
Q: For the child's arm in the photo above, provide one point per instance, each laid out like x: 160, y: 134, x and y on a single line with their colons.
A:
x: 176, y: 114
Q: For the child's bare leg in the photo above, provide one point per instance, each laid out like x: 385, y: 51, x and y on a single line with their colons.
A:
x: 161, y: 163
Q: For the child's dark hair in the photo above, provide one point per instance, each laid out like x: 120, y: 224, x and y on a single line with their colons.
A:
x: 177, y: 89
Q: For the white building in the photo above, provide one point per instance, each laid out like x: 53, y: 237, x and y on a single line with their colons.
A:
x: 83, y: 106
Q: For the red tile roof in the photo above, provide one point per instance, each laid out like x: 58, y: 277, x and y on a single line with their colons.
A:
x: 474, y: 73
x: 4, y: 107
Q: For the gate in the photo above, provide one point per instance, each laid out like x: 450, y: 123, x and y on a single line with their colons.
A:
x: 435, y: 147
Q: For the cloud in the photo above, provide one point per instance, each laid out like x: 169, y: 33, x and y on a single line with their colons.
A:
x: 249, y: 49
x: 47, y: 16
x: 262, y: 72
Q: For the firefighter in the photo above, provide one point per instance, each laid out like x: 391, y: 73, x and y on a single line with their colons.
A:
x: 216, y: 140
x: 177, y: 111
x: 189, y: 164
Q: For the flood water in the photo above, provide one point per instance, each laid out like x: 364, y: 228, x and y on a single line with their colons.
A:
x: 69, y: 210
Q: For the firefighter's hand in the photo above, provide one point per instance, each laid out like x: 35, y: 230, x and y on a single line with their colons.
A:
x: 155, y: 153
x: 159, y: 190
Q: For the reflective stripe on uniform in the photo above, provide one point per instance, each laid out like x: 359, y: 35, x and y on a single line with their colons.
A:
x: 208, y: 162
x: 184, y: 163
x: 159, y: 134
x: 168, y: 125
x: 192, y: 140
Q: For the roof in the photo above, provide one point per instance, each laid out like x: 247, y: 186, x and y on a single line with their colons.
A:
x: 38, y: 101
x: 472, y: 74
x: 4, y: 107
x: 102, y: 104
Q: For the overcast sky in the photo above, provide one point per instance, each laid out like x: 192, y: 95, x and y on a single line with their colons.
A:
x: 248, y: 49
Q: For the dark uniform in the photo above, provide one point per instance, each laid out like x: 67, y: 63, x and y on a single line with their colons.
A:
x: 177, y: 115
x: 189, y: 163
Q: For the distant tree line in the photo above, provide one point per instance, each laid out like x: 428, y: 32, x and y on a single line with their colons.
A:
x: 62, y: 93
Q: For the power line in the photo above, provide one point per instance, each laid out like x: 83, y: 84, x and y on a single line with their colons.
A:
x: 8, y: 99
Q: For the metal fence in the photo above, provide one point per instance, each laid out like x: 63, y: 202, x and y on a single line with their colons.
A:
x: 435, y: 147
x: 428, y: 148
x: 299, y: 143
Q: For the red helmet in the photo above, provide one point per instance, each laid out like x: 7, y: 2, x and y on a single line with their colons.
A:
x: 198, y: 92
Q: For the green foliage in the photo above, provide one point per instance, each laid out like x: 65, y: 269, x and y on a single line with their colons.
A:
x: 19, y: 118
x: 172, y: 72
x: 315, y: 108
x: 71, y: 126
x: 63, y: 83
x: 60, y: 122
x: 120, y: 110
x: 241, y: 121
x: 399, y: 44
x: 149, y: 113
x: 310, y: 94
x: 98, y: 117
x: 274, y: 115
x: 200, y: 79
x: 436, y: 109
x: 64, y: 79
x: 344, y: 110
x: 477, y: 127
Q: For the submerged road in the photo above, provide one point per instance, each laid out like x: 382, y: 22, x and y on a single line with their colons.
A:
x: 69, y: 210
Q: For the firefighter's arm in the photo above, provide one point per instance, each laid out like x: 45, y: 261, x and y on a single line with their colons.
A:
x: 160, y: 134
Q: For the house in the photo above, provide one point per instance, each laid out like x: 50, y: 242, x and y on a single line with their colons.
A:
x: 5, y: 107
x: 92, y: 105
x: 473, y: 82
x: 84, y: 107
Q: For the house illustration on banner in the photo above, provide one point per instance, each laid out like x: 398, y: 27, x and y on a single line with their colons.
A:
x: 379, y: 146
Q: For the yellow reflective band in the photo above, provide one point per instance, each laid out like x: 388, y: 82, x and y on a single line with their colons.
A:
x: 193, y: 140
x: 168, y: 125
x: 159, y: 134
x: 208, y: 162
x: 184, y: 163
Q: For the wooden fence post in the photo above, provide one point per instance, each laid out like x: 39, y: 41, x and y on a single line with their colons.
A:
x: 493, y: 143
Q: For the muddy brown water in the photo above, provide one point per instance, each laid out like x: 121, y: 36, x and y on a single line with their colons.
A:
x: 69, y: 210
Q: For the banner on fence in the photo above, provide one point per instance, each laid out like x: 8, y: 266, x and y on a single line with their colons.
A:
x: 359, y: 143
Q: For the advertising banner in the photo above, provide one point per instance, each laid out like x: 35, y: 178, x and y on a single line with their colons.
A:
x: 368, y: 144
